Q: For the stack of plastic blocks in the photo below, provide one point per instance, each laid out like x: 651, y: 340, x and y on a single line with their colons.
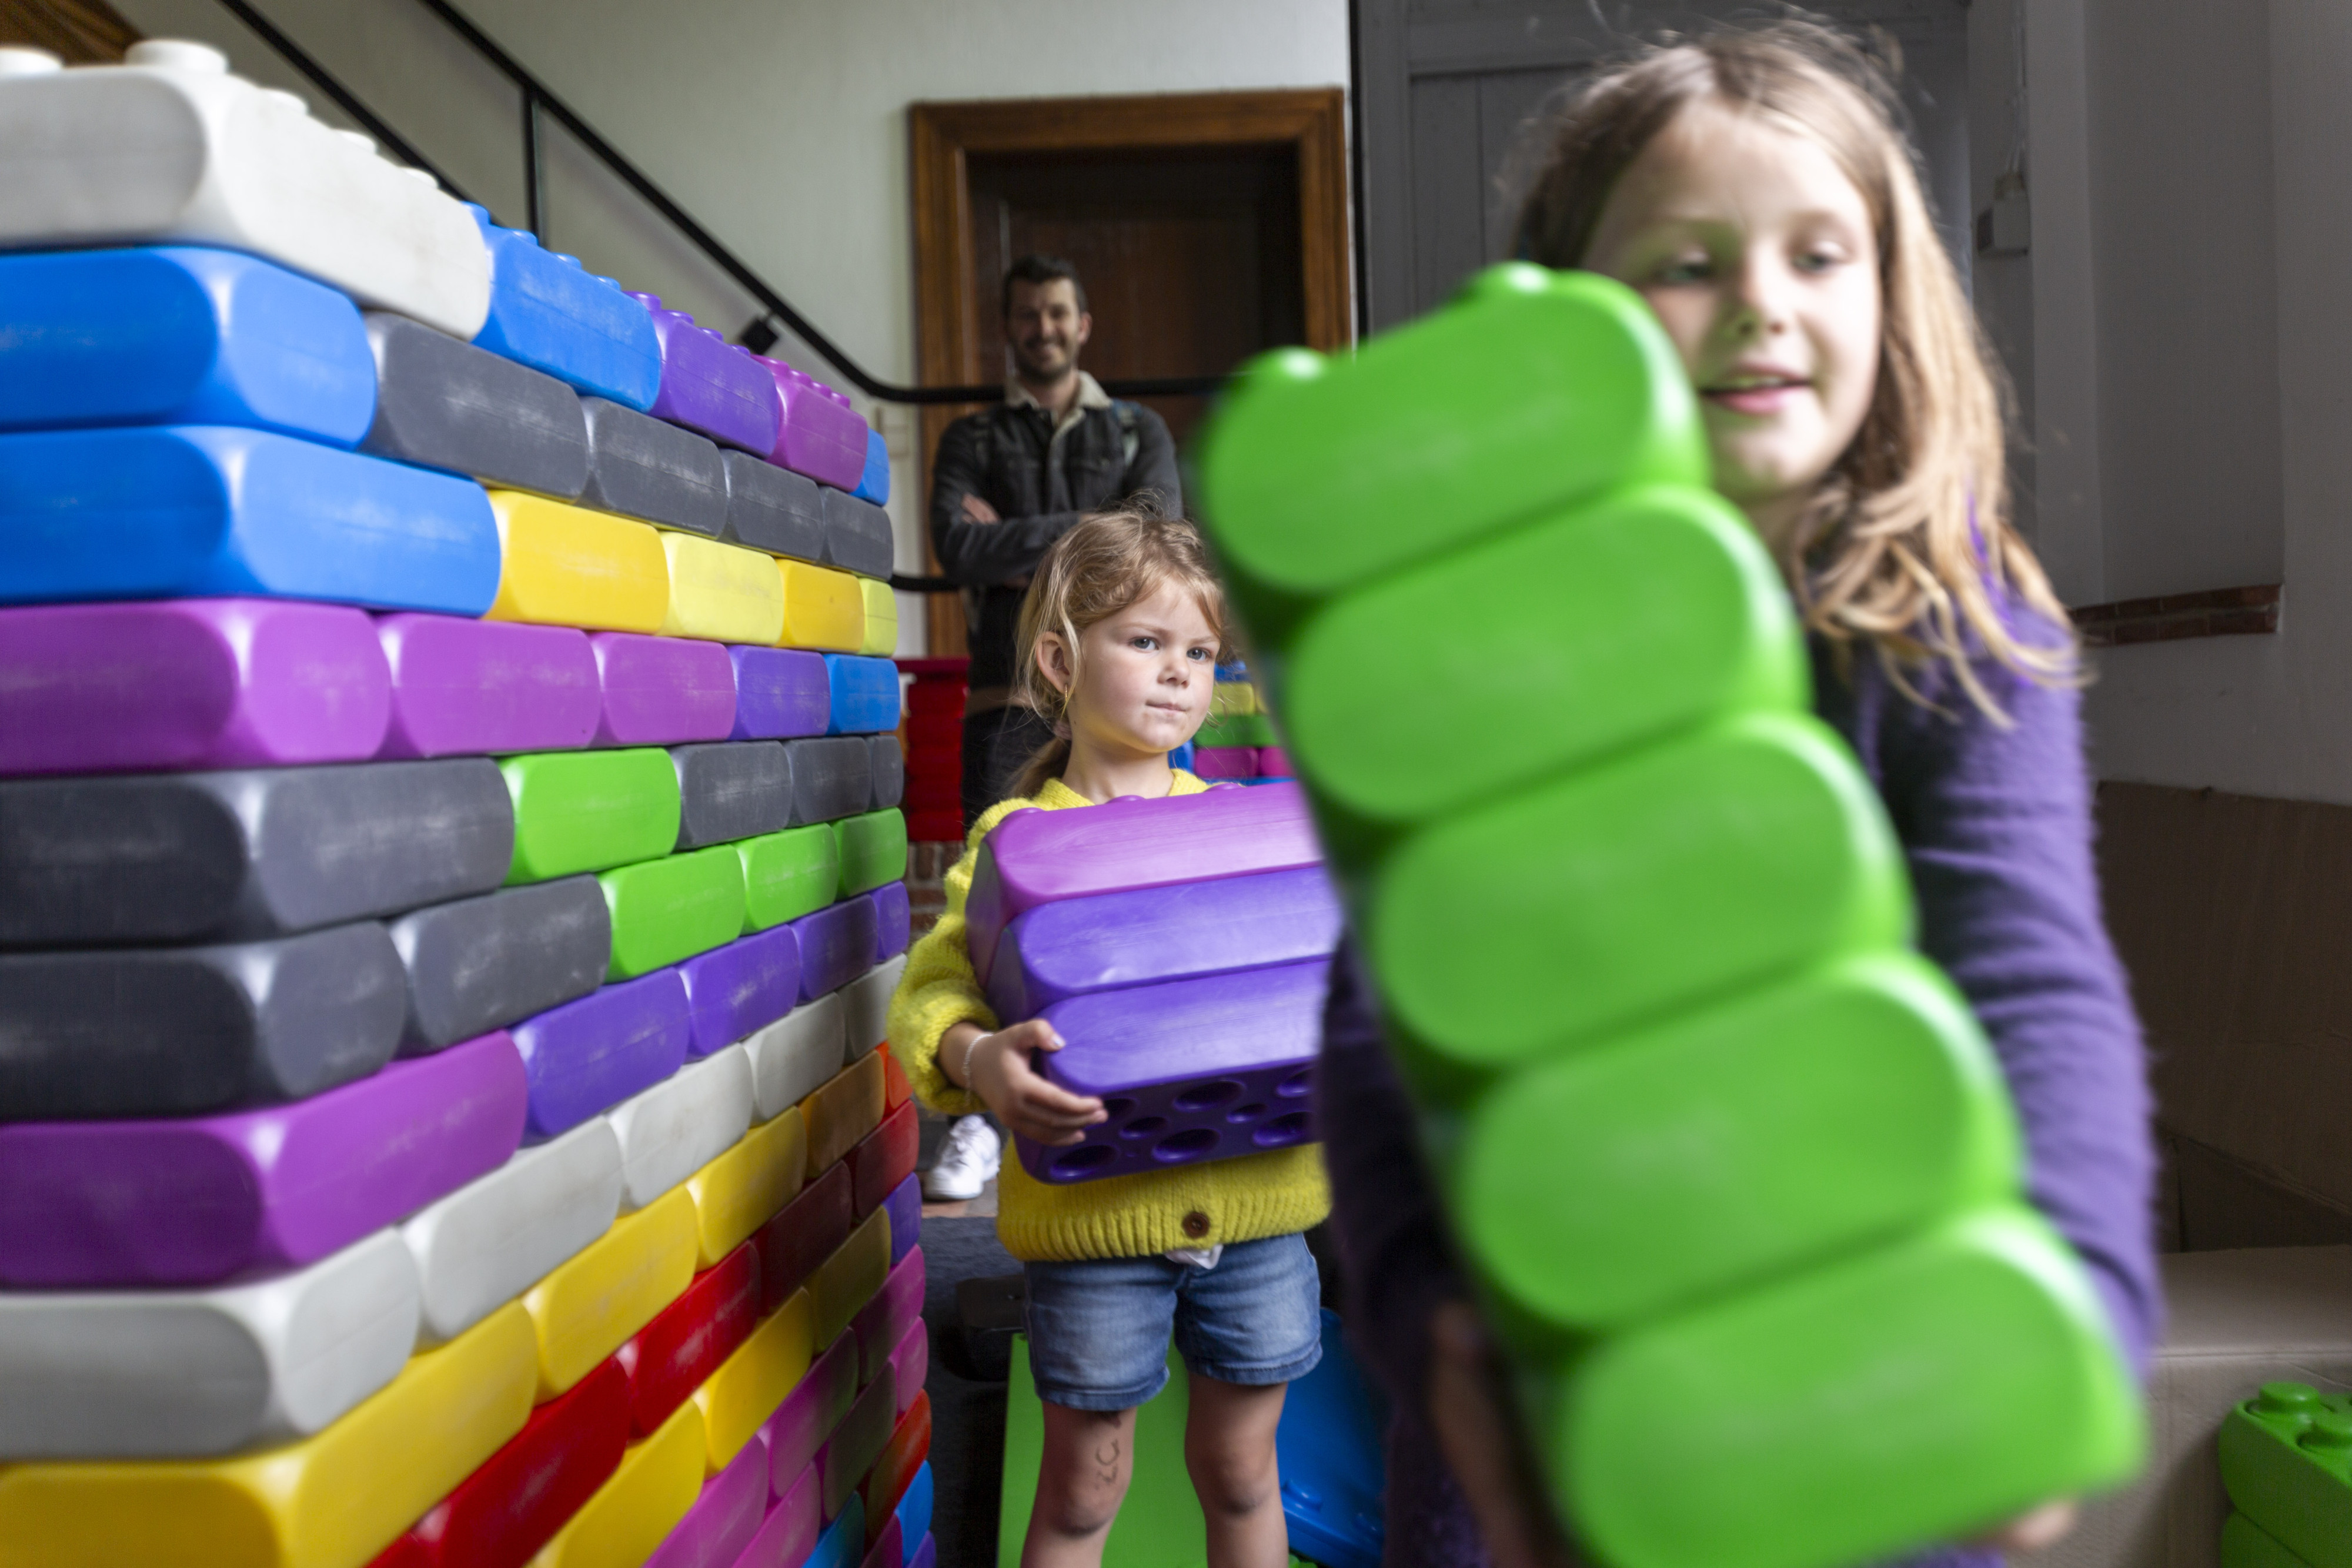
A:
x: 442, y: 1118
x: 1181, y: 947
x: 1239, y: 742
x: 2286, y: 1461
x: 1735, y: 1165
x: 935, y: 699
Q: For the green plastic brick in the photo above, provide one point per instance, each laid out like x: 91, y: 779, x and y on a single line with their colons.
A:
x: 2245, y: 1544
x: 669, y: 909
x: 873, y: 850
x: 590, y: 811
x: 1249, y: 729
x: 2286, y: 1459
x: 788, y: 875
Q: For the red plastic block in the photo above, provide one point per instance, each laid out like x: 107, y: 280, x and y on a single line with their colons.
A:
x: 669, y: 1357
x: 881, y: 1322
x: 802, y: 1235
x: 911, y: 1363
x: 797, y: 1432
x: 896, y: 1090
x: 883, y: 1158
x: 902, y: 1456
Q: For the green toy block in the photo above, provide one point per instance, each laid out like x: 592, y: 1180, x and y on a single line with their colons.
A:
x: 1736, y: 1171
x: 1250, y: 730
x: 669, y: 909
x: 590, y: 811
x: 2245, y: 1544
x: 2286, y: 1461
x: 873, y: 850
x: 788, y: 875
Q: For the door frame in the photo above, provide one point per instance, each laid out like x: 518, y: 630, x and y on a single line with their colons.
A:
x: 943, y: 137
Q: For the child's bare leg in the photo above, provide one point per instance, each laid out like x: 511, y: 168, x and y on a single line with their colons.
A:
x: 1229, y: 1450
x: 1089, y: 1455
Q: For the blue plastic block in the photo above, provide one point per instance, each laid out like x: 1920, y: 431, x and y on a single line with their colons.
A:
x: 1327, y: 1448
x: 205, y: 510
x: 843, y: 1544
x: 1233, y: 670
x: 179, y: 335
x: 1181, y: 757
x: 874, y: 485
x: 864, y: 694
x: 553, y: 315
x: 915, y: 1508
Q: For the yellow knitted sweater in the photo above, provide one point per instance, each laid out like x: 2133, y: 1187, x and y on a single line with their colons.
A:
x: 1239, y: 1199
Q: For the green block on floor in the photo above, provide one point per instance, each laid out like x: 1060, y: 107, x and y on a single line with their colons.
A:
x: 1250, y: 730
x: 590, y: 811
x: 873, y: 850
x: 669, y: 909
x: 2286, y: 1461
x: 788, y: 875
x: 2245, y: 1544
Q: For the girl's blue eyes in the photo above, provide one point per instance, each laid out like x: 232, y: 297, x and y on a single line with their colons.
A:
x: 1198, y: 655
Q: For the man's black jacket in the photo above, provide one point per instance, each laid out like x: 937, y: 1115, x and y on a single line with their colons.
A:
x: 1006, y: 456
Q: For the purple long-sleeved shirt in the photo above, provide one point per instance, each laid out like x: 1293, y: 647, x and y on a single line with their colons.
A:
x: 1995, y: 823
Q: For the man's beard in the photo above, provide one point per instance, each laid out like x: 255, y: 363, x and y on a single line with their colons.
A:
x: 1030, y: 368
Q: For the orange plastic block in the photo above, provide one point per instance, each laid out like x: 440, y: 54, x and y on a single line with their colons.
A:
x: 846, y: 1108
x: 909, y: 1446
x: 896, y: 1090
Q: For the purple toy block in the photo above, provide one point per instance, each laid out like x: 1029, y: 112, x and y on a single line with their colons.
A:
x: 1037, y: 857
x: 1190, y: 1071
x: 905, y: 1206
x: 838, y: 946
x: 724, y: 1518
x: 188, y: 683
x: 927, y: 1555
x: 588, y: 1056
x: 740, y: 988
x: 781, y: 693
x: 465, y: 688
x: 662, y: 691
x: 188, y: 1202
x: 1214, y: 762
x: 810, y: 1413
x: 911, y: 1363
x: 820, y: 435
x: 1057, y: 951
x: 1273, y: 762
x: 894, y: 921
x: 711, y: 384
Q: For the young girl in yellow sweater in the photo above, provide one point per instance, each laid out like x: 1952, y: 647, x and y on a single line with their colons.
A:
x: 1118, y: 639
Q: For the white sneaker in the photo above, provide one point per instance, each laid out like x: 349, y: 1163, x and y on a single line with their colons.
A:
x: 967, y: 1161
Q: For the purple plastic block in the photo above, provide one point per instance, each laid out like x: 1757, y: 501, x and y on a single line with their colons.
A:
x: 881, y: 1322
x: 905, y: 1206
x: 789, y: 1533
x: 836, y: 945
x: 1224, y: 762
x: 465, y: 688
x: 781, y: 693
x: 856, y: 1443
x: 188, y: 1202
x: 711, y: 384
x: 742, y: 987
x: 894, y: 921
x: 927, y: 1555
x: 662, y: 691
x: 1057, y: 951
x: 188, y: 683
x: 1037, y: 857
x: 724, y: 1518
x: 910, y: 1362
x: 821, y: 436
x: 810, y: 1413
x: 590, y: 1055
x: 1190, y: 1071
x: 1273, y: 762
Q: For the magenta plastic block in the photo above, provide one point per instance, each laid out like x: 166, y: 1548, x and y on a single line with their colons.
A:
x: 910, y: 1362
x: 188, y: 683
x: 724, y: 1518
x: 789, y: 1533
x: 1273, y: 762
x: 1057, y: 951
x: 883, y: 1322
x: 1190, y: 1071
x: 464, y: 688
x: 187, y: 1202
x: 662, y: 691
x: 894, y: 921
x: 711, y: 384
x: 836, y: 945
x: 905, y: 1206
x: 588, y: 1056
x: 811, y: 1411
x: 821, y: 436
x: 1037, y: 857
x: 742, y: 987
x: 1214, y: 762
x: 887, y: 1551
x: 843, y: 1463
x: 781, y: 693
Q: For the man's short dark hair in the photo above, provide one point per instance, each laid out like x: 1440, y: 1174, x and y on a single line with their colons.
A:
x: 1035, y: 268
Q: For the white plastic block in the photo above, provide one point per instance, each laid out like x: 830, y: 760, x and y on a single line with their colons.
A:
x: 185, y: 1373
x: 169, y: 147
x: 497, y: 1236
x: 792, y: 1057
x: 867, y: 999
x: 679, y: 1125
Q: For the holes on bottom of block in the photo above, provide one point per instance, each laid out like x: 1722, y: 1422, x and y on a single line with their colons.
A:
x: 1282, y: 1132
x: 1189, y: 1145
x: 1085, y: 1157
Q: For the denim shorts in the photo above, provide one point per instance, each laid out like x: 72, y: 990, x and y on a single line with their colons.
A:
x: 1098, y: 1329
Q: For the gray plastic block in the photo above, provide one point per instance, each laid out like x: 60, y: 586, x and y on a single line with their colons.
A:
x: 480, y: 964
x: 773, y: 509
x: 793, y: 1057
x: 260, y: 853
x: 497, y: 1236
x: 890, y: 766
x: 833, y: 776
x: 447, y: 404
x: 173, y: 1031
x: 731, y: 789
x: 857, y: 534
x: 649, y: 468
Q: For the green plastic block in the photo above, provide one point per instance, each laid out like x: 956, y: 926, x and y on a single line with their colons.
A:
x: 788, y: 875
x: 873, y: 850
x: 2245, y: 1544
x: 2286, y: 1459
x: 669, y: 909
x: 589, y: 810
x: 1251, y: 729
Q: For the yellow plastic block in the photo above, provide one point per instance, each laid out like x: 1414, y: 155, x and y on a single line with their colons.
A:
x: 329, y: 1501
x: 737, y: 1193
x: 844, y: 1110
x: 1234, y: 699
x: 881, y: 617
x: 739, y: 1397
x: 567, y: 566
x: 847, y: 1280
x: 722, y: 592
x: 823, y: 608
x: 584, y: 1310
x: 627, y: 1518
